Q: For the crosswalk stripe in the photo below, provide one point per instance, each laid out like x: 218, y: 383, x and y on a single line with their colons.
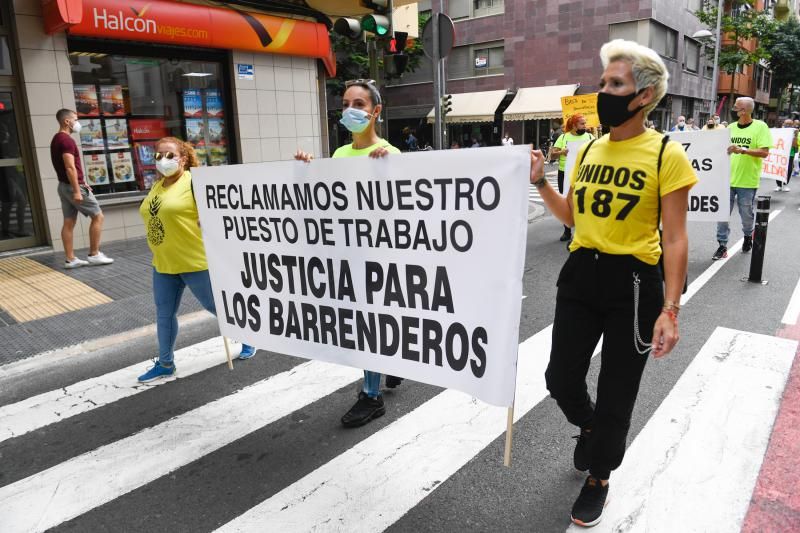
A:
x: 416, y: 453
x: 80, y: 484
x: 694, y: 464
x: 47, y: 408
x: 793, y: 309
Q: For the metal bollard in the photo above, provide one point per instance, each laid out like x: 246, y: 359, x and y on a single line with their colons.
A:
x: 759, y: 240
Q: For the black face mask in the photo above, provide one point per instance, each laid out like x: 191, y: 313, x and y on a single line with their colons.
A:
x: 734, y: 114
x: 613, y: 109
x: 580, y: 132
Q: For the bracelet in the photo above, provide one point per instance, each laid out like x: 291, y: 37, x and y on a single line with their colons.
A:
x: 672, y: 314
x: 540, y: 182
x: 672, y: 305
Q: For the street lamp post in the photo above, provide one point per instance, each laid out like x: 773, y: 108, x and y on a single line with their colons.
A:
x: 717, y: 44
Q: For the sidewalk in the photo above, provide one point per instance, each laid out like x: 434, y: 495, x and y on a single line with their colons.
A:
x: 125, y: 301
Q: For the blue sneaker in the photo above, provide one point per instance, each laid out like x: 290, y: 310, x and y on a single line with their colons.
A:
x: 247, y: 351
x: 157, y: 372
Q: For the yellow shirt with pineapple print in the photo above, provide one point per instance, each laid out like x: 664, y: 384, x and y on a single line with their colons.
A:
x: 173, y: 229
x: 615, y: 193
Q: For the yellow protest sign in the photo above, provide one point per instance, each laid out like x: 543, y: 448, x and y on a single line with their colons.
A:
x: 585, y: 104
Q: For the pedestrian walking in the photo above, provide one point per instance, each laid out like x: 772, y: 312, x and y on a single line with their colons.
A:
x: 611, y: 285
x: 750, y: 144
x: 361, y: 109
x: 575, y: 131
x: 780, y: 186
x: 75, y: 194
x: 179, y: 259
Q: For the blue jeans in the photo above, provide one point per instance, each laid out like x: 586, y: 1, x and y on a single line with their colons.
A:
x: 167, y: 291
x: 372, y: 384
x: 746, y: 199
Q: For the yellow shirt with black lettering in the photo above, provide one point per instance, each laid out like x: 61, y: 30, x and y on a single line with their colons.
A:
x: 173, y: 233
x: 615, y: 193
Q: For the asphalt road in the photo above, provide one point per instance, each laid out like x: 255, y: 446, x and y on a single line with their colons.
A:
x: 536, y: 494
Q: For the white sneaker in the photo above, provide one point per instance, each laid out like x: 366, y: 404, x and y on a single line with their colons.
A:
x: 99, y: 259
x: 779, y: 188
x: 786, y: 188
x: 75, y: 263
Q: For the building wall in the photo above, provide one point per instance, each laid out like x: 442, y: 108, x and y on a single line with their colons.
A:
x: 552, y: 43
x: 275, y: 114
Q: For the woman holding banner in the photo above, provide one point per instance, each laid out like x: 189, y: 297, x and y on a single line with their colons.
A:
x: 361, y: 109
x: 611, y: 285
x: 179, y: 259
x: 575, y: 131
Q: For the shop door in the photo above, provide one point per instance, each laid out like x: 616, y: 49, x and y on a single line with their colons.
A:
x: 17, y: 228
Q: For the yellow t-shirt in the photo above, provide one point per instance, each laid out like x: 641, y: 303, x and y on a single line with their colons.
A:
x: 173, y: 233
x: 615, y: 194
x: 348, y: 151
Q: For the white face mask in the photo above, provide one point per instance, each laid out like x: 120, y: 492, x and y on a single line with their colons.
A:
x: 167, y: 167
x: 76, y: 127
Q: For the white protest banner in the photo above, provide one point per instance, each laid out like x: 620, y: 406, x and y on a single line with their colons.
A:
x: 707, y: 152
x: 572, y: 157
x: 776, y: 164
x: 409, y: 265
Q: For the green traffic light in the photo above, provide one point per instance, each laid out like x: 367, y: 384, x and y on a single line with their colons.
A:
x: 377, y: 24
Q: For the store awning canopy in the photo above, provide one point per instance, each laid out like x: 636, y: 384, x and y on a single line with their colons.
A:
x: 473, y: 107
x: 533, y: 103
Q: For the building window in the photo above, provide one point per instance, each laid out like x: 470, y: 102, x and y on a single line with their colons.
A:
x: 708, y: 54
x: 127, y: 103
x: 624, y: 30
x: 691, y: 55
x: 476, y: 60
x: 487, y: 61
x: 463, y: 9
x: 663, y: 40
x: 687, y: 107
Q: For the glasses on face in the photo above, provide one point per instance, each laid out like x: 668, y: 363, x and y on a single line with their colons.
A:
x: 360, y: 81
x: 169, y: 155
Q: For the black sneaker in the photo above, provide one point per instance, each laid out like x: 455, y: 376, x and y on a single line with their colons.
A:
x: 747, y: 245
x: 582, y: 456
x: 566, y: 236
x: 587, y: 510
x: 364, y: 410
x: 721, y: 253
x: 393, y: 381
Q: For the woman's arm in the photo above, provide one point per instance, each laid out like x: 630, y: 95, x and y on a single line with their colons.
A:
x: 558, y: 205
x: 675, y: 243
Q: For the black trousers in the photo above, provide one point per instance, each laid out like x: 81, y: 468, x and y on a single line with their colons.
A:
x: 596, y: 297
x: 789, y: 175
x: 561, y: 187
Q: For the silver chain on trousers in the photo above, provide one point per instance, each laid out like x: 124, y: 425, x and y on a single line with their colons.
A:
x: 642, y: 347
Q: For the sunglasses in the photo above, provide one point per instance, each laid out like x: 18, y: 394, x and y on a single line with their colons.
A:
x: 360, y: 81
x: 161, y: 155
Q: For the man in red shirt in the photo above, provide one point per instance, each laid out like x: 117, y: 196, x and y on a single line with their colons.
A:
x: 76, y: 196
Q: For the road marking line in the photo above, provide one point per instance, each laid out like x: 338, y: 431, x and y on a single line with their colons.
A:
x: 82, y: 483
x: 49, y: 407
x: 695, y: 463
x: 793, y: 309
x: 401, y: 464
x: 703, y: 278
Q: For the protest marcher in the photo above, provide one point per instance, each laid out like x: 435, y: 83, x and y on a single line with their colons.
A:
x: 611, y: 284
x: 508, y: 140
x: 780, y: 186
x: 750, y: 144
x: 75, y: 194
x: 711, y: 124
x: 576, y: 131
x: 680, y: 125
x: 179, y: 259
x: 690, y: 124
x: 361, y: 109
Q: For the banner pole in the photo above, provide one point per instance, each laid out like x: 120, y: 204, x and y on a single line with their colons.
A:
x: 228, y: 352
x: 509, y: 436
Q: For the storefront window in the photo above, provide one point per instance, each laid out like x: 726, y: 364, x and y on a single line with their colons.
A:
x: 127, y: 103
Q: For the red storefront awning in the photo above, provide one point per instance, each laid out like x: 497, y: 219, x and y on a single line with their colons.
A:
x: 167, y: 22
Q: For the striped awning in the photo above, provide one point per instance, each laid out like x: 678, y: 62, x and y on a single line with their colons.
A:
x: 473, y: 107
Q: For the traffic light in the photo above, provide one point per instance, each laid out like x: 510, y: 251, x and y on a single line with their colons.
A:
x: 447, y: 104
x: 379, y: 22
x: 394, y: 60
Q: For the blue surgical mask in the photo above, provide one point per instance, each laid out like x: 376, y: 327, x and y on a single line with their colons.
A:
x: 355, y: 120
